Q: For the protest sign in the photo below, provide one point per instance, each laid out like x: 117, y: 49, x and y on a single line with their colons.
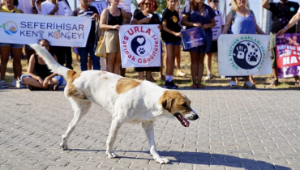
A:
x: 288, y: 55
x: 243, y: 55
x: 60, y: 31
x: 140, y: 45
x: 193, y: 37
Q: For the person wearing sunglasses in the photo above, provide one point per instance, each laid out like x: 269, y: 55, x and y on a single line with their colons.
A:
x: 217, y: 30
x: 147, y: 16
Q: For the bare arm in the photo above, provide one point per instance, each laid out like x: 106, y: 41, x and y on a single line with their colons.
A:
x: 165, y: 28
x: 266, y: 4
x: 185, y: 22
x: 227, y: 23
x: 210, y: 25
x: 257, y: 28
x: 292, y: 22
x: 103, y: 19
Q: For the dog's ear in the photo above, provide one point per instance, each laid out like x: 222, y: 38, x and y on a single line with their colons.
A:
x: 167, y: 104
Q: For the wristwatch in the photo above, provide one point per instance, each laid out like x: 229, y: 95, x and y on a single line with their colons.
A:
x: 33, y: 7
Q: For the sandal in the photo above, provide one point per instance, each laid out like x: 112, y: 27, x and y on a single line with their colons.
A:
x: 194, y: 86
x: 3, y: 84
x: 274, y: 83
x: 200, y: 86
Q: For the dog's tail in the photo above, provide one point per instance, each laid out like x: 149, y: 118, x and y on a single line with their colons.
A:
x: 53, y: 65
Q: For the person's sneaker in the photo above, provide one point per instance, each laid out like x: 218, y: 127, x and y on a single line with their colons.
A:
x: 13, y: 83
x: 3, y: 84
x: 166, y: 85
x: 172, y: 85
x: 232, y: 84
x: 20, y: 84
x: 249, y: 85
x: 208, y: 77
x: 180, y: 73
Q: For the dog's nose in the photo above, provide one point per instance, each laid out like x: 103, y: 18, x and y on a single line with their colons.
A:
x: 195, y: 117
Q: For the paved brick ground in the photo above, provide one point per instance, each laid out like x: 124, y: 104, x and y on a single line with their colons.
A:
x: 238, y: 129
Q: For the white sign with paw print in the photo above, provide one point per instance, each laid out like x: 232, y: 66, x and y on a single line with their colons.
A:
x: 244, y: 55
x: 140, y: 45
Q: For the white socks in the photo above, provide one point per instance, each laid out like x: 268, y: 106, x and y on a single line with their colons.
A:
x: 169, y: 78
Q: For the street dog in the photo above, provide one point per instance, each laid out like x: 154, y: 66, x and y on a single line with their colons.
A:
x: 128, y: 100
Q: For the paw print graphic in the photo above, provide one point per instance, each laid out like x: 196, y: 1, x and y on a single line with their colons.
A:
x: 141, y: 50
x: 240, y: 52
x: 252, y: 57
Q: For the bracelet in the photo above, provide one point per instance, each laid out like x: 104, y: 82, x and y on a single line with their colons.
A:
x: 285, y: 28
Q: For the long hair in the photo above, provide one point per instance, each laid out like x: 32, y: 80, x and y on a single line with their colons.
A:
x: 235, y: 7
x: 153, y: 6
x: 193, y: 4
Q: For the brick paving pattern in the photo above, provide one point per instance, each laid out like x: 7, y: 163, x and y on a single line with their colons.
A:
x: 237, y: 130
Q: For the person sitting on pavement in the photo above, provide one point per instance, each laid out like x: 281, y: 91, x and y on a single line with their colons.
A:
x: 38, y: 76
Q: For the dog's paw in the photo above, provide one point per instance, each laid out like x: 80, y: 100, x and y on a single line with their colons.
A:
x: 63, y: 146
x: 111, y: 155
x: 162, y: 160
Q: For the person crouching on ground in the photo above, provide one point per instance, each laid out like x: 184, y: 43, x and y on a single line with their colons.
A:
x: 38, y: 75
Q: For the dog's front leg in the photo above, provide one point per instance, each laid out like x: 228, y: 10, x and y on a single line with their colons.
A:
x: 114, y: 128
x: 148, y: 127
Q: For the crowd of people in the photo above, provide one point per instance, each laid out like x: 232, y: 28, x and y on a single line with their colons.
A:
x: 196, y: 13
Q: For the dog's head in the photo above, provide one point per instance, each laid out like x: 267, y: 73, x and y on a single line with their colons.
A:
x: 179, y: 106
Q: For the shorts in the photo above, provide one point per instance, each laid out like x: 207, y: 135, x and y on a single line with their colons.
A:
x: 173, y: 43
x: 111, y: 40
x: 12, y: 45
x: 60, y: 79
x: 214, y: 47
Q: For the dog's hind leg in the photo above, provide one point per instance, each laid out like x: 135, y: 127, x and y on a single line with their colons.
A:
x: 80, y: 108
x: 148, y: 127
x: 114, y: 128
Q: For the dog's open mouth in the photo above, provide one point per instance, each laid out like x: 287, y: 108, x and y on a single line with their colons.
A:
x: 182, y: 120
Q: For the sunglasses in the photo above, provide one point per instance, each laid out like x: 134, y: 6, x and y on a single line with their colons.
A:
x: 216, y: 1
x: 147, y: 3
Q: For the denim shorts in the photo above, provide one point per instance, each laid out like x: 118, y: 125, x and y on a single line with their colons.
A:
x: 173, y: 43
x: 12, y: 45
x: 58, y: 78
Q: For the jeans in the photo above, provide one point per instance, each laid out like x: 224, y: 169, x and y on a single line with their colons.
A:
x: 83, y: 53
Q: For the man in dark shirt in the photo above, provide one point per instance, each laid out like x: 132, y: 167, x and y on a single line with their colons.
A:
x: 282, y: 12
x: 85, y: 10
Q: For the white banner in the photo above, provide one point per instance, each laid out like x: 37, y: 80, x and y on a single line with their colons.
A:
x: 100, y: 5
x: 140, y: 45
x: 244, y: 54
x: 29, y: 28
x: 217, y: 29
x: 125, y: 5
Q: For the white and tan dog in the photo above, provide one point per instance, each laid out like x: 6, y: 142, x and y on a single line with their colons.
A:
x: 128, y: 100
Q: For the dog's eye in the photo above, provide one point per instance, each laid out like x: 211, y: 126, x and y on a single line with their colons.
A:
x: 184, y: 105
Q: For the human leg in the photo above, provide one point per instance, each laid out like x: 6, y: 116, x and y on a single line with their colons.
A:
x: 110, y: 61
x: 95, y: 59
x: 117, y: 64
x: 208, y: 66
x: 5, y: 50
x: 194, y: 68
x: 83, y: 53
x: 200, y: 69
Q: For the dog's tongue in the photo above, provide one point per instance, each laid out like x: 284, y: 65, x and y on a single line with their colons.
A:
x: 182, y: 120
x: 185, y: 122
